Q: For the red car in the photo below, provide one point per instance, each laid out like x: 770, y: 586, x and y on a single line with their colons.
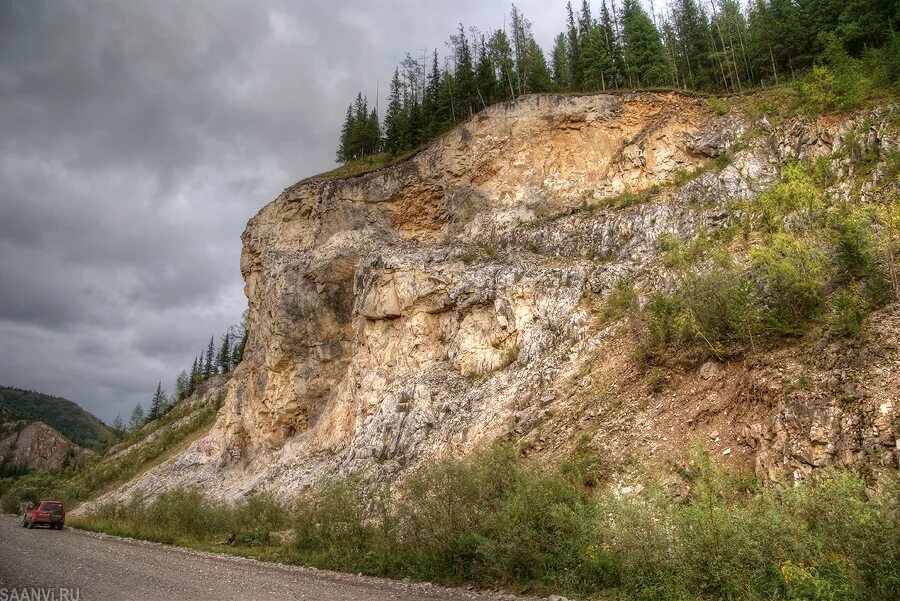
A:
x: 47, y: 513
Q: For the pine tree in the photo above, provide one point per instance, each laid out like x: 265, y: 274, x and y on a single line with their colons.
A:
x: 345, y: 146
x: 693, y: 49
x: 157, y: 403
x: 209, y: 365
x: 223, y: 359
x: 608, y: 28
x: 485, y: 77
x: 118, y: 426
x: 137, y: 418
x: 574, y: 50
x: 195, y: 378
x: 596, y: 63
x: 645, y: 56
x: 394, y: 118
x: 182, y: 386
x: 238, y: 353
x: 502, y: 59
x: 242, y: 333
x: 372, y: 142
x: 415, y: 134
x: 465, y: 94
x: 537, y: 74
x: 560, y: 64
x: 446, y: 111
x: 430, y: 101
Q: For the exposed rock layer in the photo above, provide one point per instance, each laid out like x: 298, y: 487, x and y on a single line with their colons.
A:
x: 439, y: 303
x: 39, y: 447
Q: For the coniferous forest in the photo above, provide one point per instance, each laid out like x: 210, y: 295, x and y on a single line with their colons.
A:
x: 715, y: 46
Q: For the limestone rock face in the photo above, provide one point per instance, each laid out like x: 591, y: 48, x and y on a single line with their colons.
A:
x: 39, y: 447
x: 430, y: 306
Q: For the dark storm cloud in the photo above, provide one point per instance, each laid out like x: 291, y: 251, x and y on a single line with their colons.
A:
x: 137, y: 138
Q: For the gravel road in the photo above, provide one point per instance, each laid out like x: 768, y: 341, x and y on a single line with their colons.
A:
x: 110, y: 568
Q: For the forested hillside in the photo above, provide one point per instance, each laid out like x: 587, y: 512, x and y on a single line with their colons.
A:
x: 716, y: 46
x: 65, y: 416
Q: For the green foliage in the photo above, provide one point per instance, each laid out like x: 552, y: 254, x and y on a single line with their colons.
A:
x: 790, y: 278
x: 813, y: 254
x: 586, y: 468
x: 622, y: 300
x: 137, y: 451
x: 848, y: 312
x: 182, y: 516
x: 855, y: 256
x: 796, y: 193
x: 836, y: 55
x: 645, y: 55
x: 498, y: 520
x: 680, y: 254
x: 625, y: 199
x: 822, y: 91
x: 66, y: 417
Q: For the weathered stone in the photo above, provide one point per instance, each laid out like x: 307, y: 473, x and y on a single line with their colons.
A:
x: 446, y: 301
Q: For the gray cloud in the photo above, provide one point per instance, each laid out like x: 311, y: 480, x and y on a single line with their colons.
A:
x: 139, y: 137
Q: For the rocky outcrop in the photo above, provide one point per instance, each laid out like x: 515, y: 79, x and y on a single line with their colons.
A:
x: 37, y: 446
x: 428, y: 307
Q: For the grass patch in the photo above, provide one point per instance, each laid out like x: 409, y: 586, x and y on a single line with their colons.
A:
x: 362, y: 166
x: 496, y: 519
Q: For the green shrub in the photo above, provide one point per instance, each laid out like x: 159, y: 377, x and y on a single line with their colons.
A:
x: 718, y: 106
x: 797, y: 191
x: 838, y: 86
x: 791, y: 279
x: 495, y: 519
x: 847, y: 313
x: 713, y: 308
x: 680, y: 254
x: 34, y: 487
x: 621, y: 301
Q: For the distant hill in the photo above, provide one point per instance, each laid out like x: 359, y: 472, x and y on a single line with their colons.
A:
x: 63, y: 415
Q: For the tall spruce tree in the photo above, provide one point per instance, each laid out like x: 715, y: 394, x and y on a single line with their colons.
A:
x: 502, y: 59
x: 596, y: 62
x: 118, y: 426
x: 645, y: 56
x: 223, y: 359
x: 608, y: 27
x: 574, y: 50
x: 560, y: 64
x: 182, y: 385
x: 485, y: 77
x: 394, y: 118
x: 209, y: 364
x: 157, y: 403
x: 137, y: 418
x: 464, y: 93
x: 430, y: 101
x: 692, y: 51
x: 196, y: 376
x: 345, y: 146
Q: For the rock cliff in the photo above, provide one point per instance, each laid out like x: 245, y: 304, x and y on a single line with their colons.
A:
x: 443, y: 302
x: 39, y: 447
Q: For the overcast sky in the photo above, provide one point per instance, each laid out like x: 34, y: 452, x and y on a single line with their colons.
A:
x: 137, y: 138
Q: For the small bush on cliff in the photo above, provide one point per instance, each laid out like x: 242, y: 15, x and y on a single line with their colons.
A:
x: 621, y: 301
x: 790, y: 277
x: 712, y: 308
